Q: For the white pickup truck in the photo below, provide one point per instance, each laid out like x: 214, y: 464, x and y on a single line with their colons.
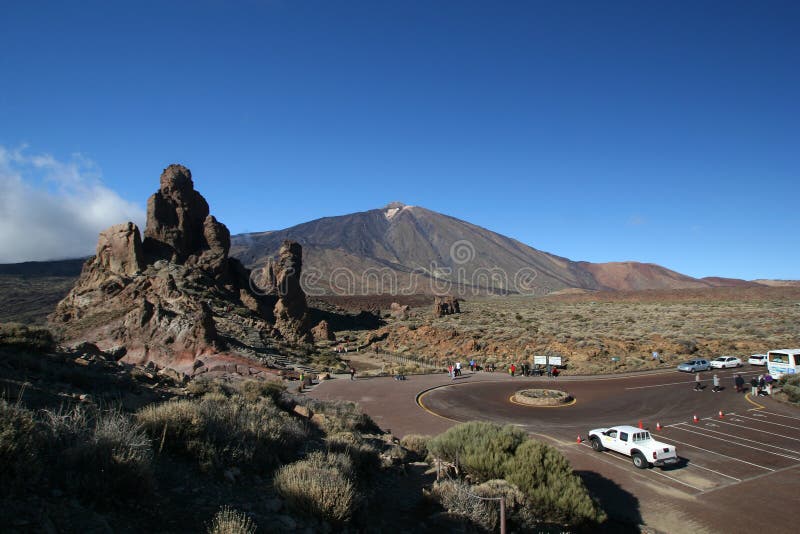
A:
x: 634, y: 442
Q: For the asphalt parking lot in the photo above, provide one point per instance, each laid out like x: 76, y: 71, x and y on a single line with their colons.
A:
x: 732, y: 467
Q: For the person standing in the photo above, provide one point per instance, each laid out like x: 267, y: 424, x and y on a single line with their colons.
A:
x: 697, y: 385
x: 458, y: 368
x: 739, y: 381
x: 352, y: 373
x: 716, y: 383
x: 753, y: 386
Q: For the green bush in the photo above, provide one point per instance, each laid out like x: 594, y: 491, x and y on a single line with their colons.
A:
x: 321, y: 486
x: 480, y: 449
x: 790, y: 386
x: 20, y: 336
x: 219, y: 431
x: 545, y: 476
x: 230, y: 521
x: 253, y: 390
x: 341, y: 416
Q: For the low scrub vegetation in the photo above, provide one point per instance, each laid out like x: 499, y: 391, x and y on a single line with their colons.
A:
x: 321, y: 485
x: 231, y: 521
x: 20, y: 336
x: 219, y: 431
x: 486, y: 451
x: 790, y: 388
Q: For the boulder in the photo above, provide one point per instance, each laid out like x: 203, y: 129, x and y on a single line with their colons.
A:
x: 322, y: 332
x: 399, y: 311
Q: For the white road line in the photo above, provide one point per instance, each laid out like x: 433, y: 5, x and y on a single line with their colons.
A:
x: 767, y: 422
x: 746, y: 439
x: 717, y: 453
x: 741, y: 444
x: 642, y: 471
x: 759, y: 430
x: 691, y: 464
x: 779, y: 415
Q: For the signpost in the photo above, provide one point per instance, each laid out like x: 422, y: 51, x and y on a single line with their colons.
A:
x: 540, y: 360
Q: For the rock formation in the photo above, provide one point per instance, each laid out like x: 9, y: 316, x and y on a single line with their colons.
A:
x: 322, y: 332
x: 399, y: 311
x: 291, y: 310
x: 446, y: 305
x: 176, y: 295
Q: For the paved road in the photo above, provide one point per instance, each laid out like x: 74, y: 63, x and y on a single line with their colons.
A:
x: 736, y: 471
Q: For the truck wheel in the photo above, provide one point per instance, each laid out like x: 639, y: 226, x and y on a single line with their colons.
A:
x: 596, y: 445
x: 639, y: 460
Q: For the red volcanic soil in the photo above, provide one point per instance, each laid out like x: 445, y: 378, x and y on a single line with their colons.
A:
x: 631, y: 275
x: 728, y: 294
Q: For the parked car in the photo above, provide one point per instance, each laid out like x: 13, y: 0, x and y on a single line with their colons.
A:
x: 757, y: 359
x: 634, y: 442
x: 692, y: 366
x: 726, y: 361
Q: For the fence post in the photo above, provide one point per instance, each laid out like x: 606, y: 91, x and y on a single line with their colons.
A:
x: 502, y: 515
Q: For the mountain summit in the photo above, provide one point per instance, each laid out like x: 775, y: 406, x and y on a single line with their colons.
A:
x: 410, y: 249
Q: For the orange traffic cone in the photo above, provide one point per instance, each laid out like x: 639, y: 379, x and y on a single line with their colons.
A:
x: 640, y: 424
x: 721, y: 415
x: 695, y: 419
x: 579, y: 439
x: 658, y: 426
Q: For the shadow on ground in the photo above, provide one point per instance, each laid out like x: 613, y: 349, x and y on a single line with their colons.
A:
x: 621, y: 506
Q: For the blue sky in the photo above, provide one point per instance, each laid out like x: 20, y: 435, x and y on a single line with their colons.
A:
x: 664, y: 132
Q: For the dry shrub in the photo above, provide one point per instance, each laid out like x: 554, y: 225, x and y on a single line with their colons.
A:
x: 364, y: 456
x: 321, y: 486
x: 20, y: 444
x: 219, y: 431
x: 416, y: 444
x: 231, y: 521
x: 101, y: 455
x: 341, y: 416
x: 20, y: 336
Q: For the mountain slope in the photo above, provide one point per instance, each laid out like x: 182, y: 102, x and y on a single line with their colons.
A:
x: 410, y: 249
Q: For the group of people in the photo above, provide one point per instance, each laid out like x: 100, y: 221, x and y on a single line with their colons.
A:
x: 761, y: 385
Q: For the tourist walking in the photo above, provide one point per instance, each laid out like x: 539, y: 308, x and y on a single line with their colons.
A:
x: 716, y: 383
x: 458, y: 368
x: 697, y: 385
x: 753, y: 386
x: 352, y: 373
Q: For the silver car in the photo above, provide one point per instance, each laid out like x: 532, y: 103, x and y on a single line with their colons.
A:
x: 693, y: 366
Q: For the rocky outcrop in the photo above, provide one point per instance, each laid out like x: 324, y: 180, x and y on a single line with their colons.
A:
x: 398, y: 311
x: 446, y: 305
x: 291, y: 310
x: 174, y: 296
x: 323, y: 332
x: 119, y: 250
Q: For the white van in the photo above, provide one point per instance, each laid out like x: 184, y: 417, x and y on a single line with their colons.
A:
x: 783, y: 362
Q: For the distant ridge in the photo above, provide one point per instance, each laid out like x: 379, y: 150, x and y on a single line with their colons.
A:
x: 417, y: 247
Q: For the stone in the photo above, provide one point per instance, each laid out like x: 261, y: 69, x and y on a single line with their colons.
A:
x: 322, y: 332
x: 398, y: 311
x: 291, y: 310
x: 176, y: 215
x: 302, y: 411
x: 119, y: 249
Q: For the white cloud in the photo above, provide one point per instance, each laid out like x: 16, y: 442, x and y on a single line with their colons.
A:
x: 51, y: 209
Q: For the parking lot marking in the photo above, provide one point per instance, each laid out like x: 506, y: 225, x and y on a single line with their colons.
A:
x: 692, y: 464
x: 768, y: 422
x: 779, y: 415
x: 764, y: 431
x: 752, y: 441
x: 717, y: 453
x: 741, y: 444
x: 641, y: 472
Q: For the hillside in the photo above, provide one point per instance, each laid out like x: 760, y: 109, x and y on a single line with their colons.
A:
x: 410, y: 249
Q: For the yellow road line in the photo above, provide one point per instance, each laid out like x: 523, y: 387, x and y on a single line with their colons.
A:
x: 754, y: 403
x: 422, y: 404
